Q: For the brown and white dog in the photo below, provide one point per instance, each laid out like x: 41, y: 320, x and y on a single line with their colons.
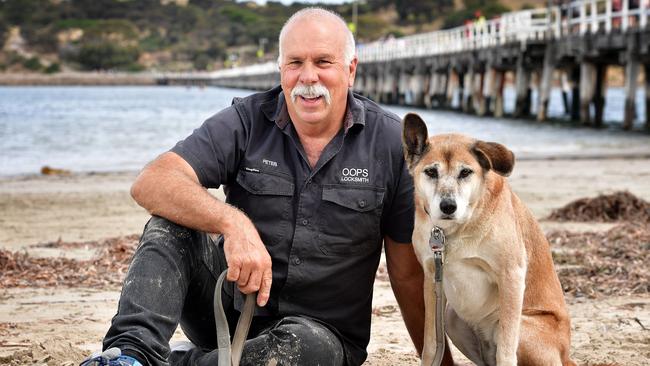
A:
x: 505, y: 305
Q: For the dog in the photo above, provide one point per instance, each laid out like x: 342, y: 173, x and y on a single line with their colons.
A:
x: 505, y: 304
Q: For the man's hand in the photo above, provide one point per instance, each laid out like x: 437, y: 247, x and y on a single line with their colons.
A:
x: 249, y: 263
x: 170, y: 188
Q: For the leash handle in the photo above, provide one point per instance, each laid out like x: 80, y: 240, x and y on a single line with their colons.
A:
x: 226, y: 354
x: 437, y: 244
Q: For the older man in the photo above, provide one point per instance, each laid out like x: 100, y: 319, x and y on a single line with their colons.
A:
x: 315, y: 181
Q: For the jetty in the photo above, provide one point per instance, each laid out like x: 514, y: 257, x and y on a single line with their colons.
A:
x: 569, y: 45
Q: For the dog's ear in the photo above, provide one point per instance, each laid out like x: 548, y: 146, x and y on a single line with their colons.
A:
x: 494, y: 156
x: 414, y: 138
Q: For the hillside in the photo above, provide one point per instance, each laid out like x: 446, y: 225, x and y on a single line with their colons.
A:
x: 133, y: 35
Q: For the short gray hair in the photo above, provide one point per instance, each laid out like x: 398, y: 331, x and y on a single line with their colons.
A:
x: 314, y: 12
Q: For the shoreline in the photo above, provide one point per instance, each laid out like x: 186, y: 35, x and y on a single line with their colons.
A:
x: 79, y: 79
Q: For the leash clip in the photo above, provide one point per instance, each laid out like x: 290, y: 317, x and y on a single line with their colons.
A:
x: 437, y: 239
x: 437, y: 244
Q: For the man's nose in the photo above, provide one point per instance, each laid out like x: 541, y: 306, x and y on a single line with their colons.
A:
x: 448, y: 206
x: 308, y: 74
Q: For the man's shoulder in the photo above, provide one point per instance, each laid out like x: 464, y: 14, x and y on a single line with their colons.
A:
x: 250, y: 107
x: 255, y: 99
x: 377, y: 114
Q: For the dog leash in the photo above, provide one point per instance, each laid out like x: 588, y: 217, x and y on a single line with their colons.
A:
x: 228, y: 356
x: 437, y: 244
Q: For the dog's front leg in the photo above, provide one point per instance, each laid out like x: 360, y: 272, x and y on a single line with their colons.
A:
x: 511, y: 297
x: 423, y: 252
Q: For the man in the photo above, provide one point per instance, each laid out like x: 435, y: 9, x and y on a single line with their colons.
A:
x: 315, y: 180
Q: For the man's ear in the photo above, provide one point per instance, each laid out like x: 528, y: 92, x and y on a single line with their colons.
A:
x: 414, y: 138
x: 494, y: 156
x: 353, y: 71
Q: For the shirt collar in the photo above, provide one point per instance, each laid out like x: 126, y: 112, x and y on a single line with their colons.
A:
x: 276, y: 111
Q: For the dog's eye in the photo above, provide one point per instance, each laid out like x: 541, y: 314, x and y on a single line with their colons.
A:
x: 431, y: 172
x: 465, y: 173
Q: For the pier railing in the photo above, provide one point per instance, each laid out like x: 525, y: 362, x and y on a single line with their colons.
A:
x: 533, y: 25
x: 576, y: 17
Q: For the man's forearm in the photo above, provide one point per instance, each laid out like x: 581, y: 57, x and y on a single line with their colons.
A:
x: 177, y: 196
x: 409, y: 295
x: 168, y: 187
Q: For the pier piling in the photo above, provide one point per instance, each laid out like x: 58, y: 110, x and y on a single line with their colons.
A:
x: 599, y: 94
x: 522, y: 106
x: 488, y: 91
x: 468, y: 89
x: 587, y: 90
x: 546, y: 83
x: 631, y: 77
x: 499, y: 83
x: 646, y: 76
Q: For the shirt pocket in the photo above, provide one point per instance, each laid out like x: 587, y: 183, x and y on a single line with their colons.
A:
x: 349, y: 219
x: 266, y: 200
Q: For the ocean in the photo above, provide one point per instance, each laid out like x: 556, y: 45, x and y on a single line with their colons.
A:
x: 104, y: 129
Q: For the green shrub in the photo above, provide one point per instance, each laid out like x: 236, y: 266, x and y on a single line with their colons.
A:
x: 33, y: 64
x: 104, y: 55
x: 53, y: 68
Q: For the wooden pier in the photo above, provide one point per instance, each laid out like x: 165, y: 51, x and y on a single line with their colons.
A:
x: 570, y: 46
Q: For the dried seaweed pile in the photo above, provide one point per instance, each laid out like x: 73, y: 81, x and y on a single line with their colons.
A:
x: 614, y: 262
x: 619, y: 206
x: 108, y: 268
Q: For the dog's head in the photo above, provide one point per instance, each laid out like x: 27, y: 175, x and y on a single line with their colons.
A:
x: 450, y: 171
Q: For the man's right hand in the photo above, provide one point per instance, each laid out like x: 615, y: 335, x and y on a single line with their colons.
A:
x: 249, y: 263
x: 170, y: 188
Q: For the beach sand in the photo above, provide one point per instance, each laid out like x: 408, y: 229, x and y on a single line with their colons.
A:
x: 60, y: 325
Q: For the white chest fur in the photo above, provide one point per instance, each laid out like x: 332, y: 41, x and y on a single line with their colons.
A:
x: 471, y: 290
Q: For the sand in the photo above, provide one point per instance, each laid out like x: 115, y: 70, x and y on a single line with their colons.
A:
x: 58, y: 326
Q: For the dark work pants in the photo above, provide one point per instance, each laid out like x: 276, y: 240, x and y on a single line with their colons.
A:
x: 171, y: 281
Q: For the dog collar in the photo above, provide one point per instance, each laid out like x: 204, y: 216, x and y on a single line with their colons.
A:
x: 437, y: 238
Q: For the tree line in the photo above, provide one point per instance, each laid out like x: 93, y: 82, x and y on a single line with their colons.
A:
x: 195, y: 34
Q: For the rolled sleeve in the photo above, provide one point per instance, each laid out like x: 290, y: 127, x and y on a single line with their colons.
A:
x: 215, y: 149
x: 398, y: 221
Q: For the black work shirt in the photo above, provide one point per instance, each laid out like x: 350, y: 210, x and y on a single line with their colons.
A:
x: 322, y: 226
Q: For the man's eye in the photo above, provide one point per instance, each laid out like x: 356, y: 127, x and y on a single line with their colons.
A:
x: 465, y: 173
x: 431, y: 172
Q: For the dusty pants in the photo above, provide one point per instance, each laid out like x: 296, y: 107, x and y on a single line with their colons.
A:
x: 171, y: 282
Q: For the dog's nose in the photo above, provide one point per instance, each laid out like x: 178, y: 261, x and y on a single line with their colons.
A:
x: 448, y: 206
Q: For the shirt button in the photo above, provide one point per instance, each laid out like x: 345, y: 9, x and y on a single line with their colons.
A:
x: 362, y: 203
x: 305, y: 222
x: 296, y: 261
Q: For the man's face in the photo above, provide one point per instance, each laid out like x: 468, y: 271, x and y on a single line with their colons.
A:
x: 313, y: 65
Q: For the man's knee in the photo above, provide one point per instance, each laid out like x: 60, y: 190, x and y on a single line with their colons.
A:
x: 300, y: 341
x: 168, y: 236
x: 160, y: 227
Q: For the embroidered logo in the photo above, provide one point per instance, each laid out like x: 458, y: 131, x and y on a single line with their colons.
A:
x: 270, y: 163
x: 354, y: 175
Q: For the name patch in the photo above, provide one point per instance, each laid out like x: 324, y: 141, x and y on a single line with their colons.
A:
x: 270, y: 163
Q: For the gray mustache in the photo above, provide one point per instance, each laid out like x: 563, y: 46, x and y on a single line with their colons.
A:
x: 311, y: 91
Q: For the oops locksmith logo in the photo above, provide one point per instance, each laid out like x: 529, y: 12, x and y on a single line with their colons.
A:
x: 354, y: 175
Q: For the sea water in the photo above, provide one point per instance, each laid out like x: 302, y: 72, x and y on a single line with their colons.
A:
x: 102, y: 129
